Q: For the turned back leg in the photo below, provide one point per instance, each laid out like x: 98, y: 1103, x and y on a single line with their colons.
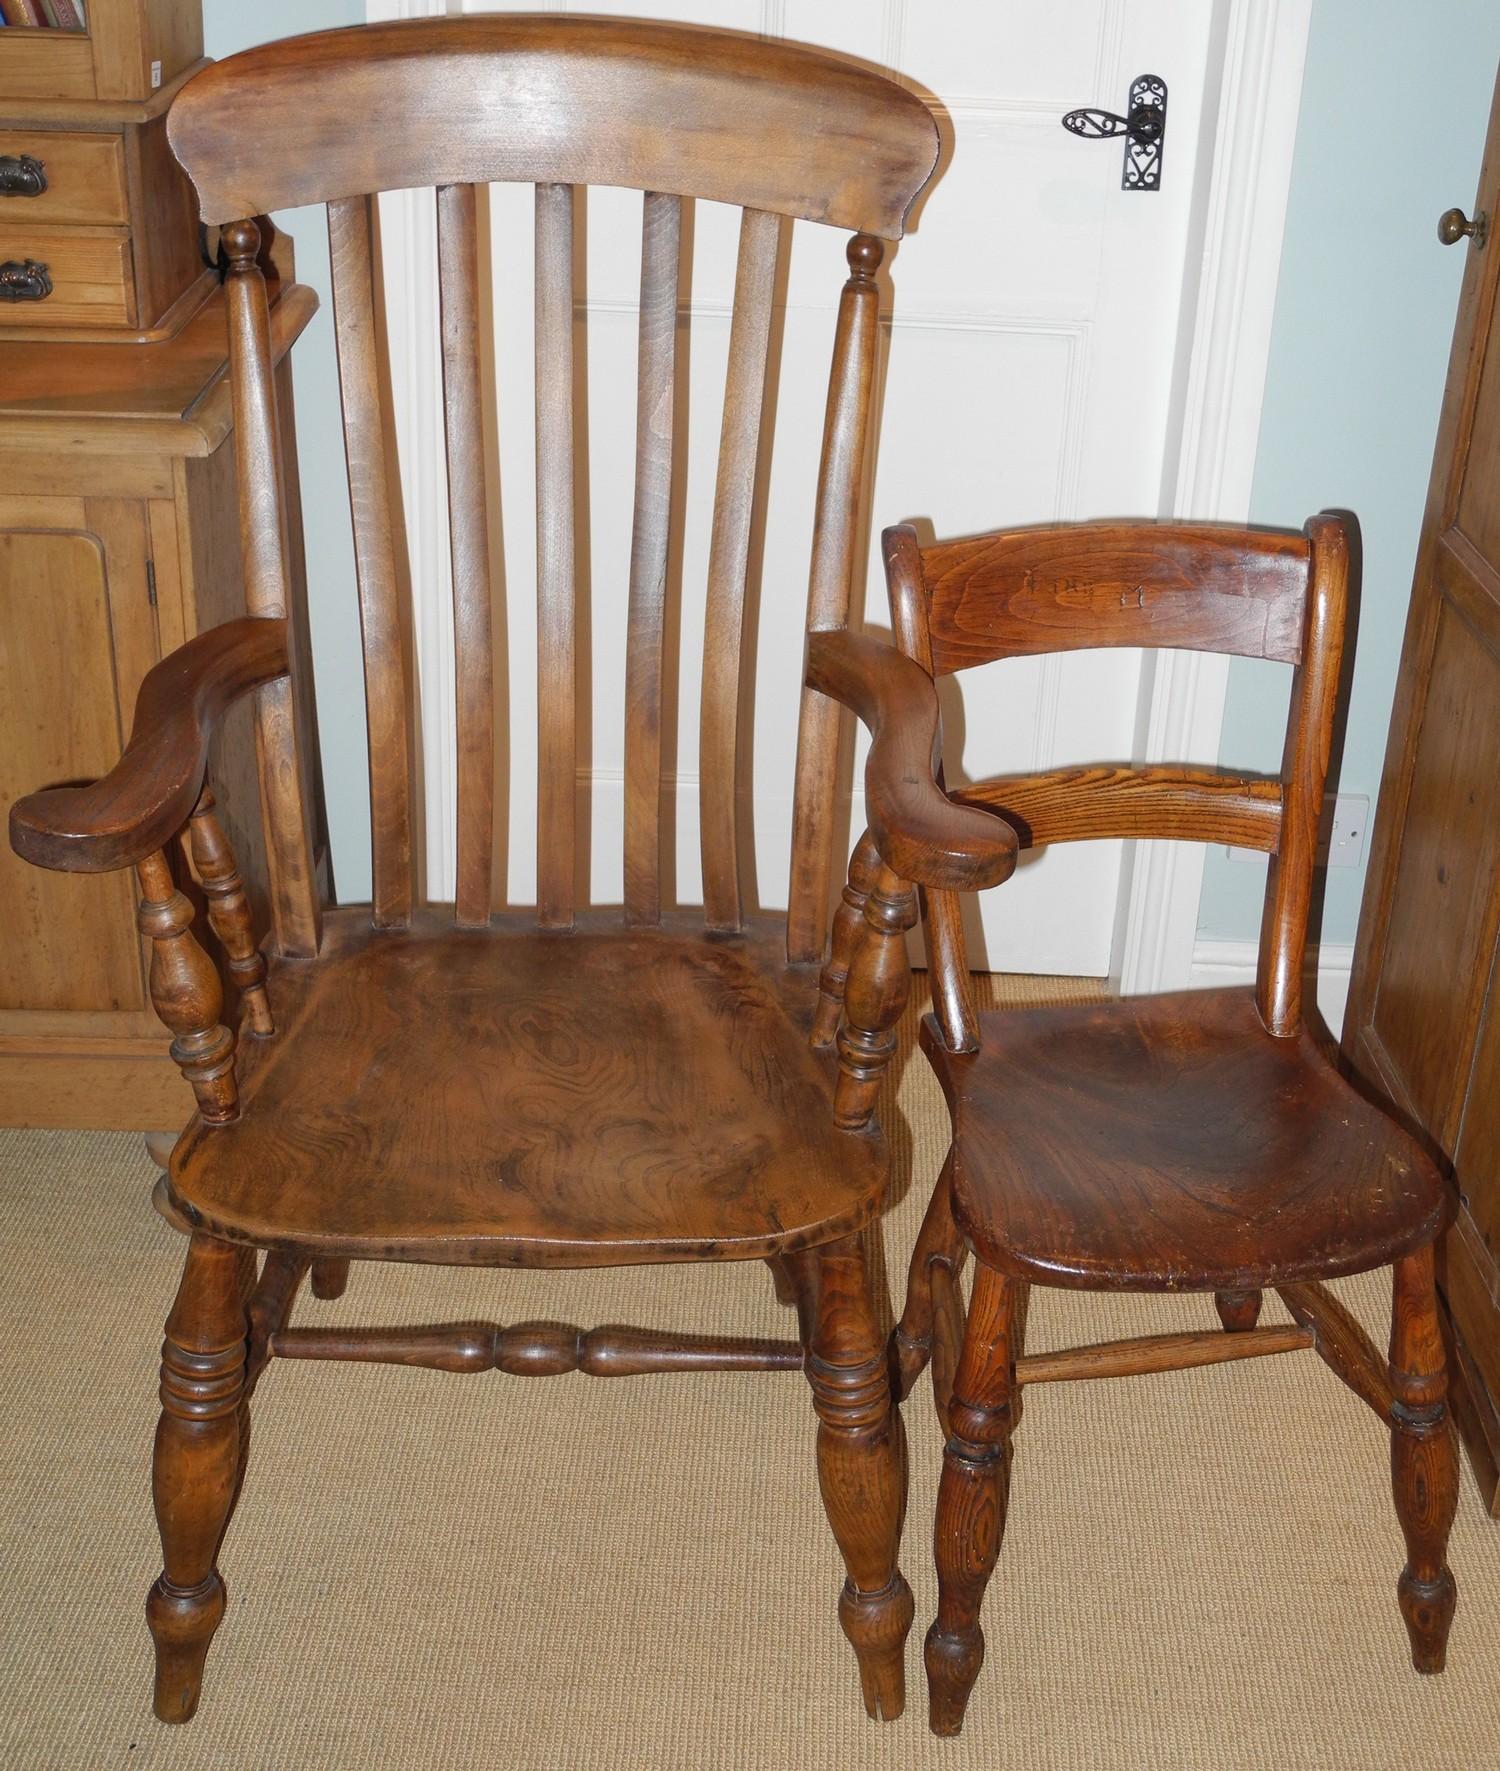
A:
x: 329, y: 1277
x: 1424, y: 1462
x: 195, y: 1470
x: 861, y: 1467
x: 973, y: 1494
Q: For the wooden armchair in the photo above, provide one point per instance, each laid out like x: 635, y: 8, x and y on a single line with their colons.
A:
x: 1200, y: 1141
x: 570, y: 1087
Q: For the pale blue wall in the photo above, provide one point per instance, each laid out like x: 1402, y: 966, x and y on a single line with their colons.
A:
x: 231, y: 25
x: 1394, y: 107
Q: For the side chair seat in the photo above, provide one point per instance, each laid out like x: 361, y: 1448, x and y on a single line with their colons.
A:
x: 1165, y: 1143
x: 510, y: 1095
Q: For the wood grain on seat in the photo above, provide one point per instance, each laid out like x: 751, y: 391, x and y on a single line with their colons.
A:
x: 535, y: 1098
x: 1169, y: 1143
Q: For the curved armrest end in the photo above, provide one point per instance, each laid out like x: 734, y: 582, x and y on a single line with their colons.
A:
x: 148, y: 796
x: 919, y: 831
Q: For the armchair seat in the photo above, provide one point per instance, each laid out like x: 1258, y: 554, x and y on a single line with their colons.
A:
x: 520, y: 1097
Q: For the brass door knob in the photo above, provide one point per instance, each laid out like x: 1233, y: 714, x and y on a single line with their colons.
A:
x: 1454, y: 225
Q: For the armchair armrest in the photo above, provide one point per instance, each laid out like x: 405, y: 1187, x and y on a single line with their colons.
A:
x: 920, y: 832
x: 148, y: 796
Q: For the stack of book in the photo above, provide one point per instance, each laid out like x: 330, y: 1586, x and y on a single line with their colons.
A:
x: 46, y: 15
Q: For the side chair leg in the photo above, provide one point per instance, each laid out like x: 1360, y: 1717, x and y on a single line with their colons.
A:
x: 973, y: 1494
x: 329, y: 1277
x: 196, y: 1467
x: 1424, y: 1462
x: 861, y: 1470
x: 1239, y: 1311
x: 939, y: 1242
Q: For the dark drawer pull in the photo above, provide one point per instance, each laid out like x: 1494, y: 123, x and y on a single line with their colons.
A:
x: 21, y: 176
x: 26, y: 281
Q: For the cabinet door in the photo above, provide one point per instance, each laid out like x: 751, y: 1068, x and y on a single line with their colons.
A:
x: 1423, y: 1021
x: 77, y: 632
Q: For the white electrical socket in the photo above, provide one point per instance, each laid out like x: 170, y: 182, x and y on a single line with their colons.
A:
x: 1346, y: 840
x: 1345, y: 846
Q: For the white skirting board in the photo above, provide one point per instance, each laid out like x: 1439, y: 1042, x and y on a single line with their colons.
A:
x: 1233, y: 962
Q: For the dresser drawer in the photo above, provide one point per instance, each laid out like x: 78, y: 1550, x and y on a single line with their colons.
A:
x: 89, y: 269
x: 84, y: 177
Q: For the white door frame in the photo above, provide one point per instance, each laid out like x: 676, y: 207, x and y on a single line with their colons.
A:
x: 1234, y: 261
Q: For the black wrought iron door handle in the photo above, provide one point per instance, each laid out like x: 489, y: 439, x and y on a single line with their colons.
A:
x: 21, y: 176
x: 24, y: 281
x: 1144, y: 127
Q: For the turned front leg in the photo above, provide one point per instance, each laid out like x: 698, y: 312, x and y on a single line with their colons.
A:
x: 861, y: 1470
x: 186, y: 992
x: 973, y: 1494
x: 1424, y: 1462
x: 195, y: 1470
x: 875, y: 995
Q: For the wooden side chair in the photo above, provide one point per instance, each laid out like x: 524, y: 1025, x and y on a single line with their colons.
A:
x: 1200, y: 1141
x: 563, y: 1088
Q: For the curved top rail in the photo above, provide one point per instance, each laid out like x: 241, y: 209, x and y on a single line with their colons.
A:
x: 541, y: 99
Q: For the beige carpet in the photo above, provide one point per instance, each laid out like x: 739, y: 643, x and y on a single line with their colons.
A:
x: 432, y: 1571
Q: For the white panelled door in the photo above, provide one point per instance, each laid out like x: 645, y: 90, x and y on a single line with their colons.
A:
x: 1036, y: 338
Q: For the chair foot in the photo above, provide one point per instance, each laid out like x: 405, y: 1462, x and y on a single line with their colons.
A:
x: 329, y: 1277
x: 195, y: 1471
x: 1424, y: 1461
x: 877, y: 1625
x: 972, y: 1497
x: 861, y: 1467
x: 1239, y: 1311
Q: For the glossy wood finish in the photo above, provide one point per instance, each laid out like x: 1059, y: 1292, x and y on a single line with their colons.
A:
x: 264, y: 546
x: 150, y: 793
x: 196, y: 1468
x: 926, y: 838
x: 539, y: 1349
x: 657, y: 107
x: 1165, y: 1143
x: 1424, y: 1464
x: 569, y: 1088
x: 846, y: 426
x: 186, y: 993
x: 387, y: 669
x: 1192, y: 1142
x: 556, y: 662
x: 534, y: 1144
x: 1423, y: 1020
x: 229, y: 912
x: 1023, y: 591
x: 661, y: 265
x: 973, y: 1496
x: 728, y: 563
x: 861, y: 1468
x: 469, y: 538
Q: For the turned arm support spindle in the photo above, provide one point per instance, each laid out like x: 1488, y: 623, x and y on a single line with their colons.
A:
x: 186, y: 992
x: 229, y: 911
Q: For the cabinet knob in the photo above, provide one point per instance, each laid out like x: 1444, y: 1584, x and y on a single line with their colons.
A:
x: 21, y: 176
x: 24, y: 280
x: 1454, y: 225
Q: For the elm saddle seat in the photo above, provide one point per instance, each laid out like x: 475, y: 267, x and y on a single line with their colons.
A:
x: 530, y: 1097
x: 1163, y: 1143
